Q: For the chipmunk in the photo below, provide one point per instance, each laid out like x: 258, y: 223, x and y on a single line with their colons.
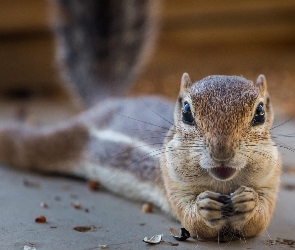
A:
x: 220, y: 167
x: 216, y: 170
x: 210, y: 163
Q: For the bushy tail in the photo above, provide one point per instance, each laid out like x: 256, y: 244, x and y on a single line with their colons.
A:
x: 102, y: 45
x: 43, y: 148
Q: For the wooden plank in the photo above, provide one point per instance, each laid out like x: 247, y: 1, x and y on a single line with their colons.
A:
x: 229, y: 21
x: 23, y: 15
x: 27, y: 62
x: 175, y: 8
x: 276, y: 33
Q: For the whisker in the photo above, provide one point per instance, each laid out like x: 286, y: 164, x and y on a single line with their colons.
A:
x: 281, y: 124
x: 171, y: 123
x: 283, y: 145
x: 149, y: 123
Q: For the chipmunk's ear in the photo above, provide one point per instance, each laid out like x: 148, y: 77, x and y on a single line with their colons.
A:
x: 186, y: 83
x: 261, y: 84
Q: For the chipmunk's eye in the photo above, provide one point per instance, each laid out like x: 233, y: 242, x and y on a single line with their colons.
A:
x: 259, y: 116
x: 187, y: 116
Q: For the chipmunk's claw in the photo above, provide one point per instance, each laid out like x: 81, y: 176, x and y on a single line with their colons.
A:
x: 210, y: 208
x: 227, y: 209
x: 224, y: 198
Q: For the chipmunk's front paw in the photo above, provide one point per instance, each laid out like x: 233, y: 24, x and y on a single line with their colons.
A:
x: 241, y: 206
x: 209, y: 205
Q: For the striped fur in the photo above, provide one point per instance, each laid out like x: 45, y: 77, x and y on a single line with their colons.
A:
x: 137, y: 149
x: 101, y: 46
x: 119, y: 142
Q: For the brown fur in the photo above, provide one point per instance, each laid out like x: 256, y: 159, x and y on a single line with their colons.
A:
x: 120, y: 142
x: 102, y: 45
x: 31, y: 148
x: 223, y: 108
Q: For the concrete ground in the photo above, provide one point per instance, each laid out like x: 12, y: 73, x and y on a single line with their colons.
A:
x: 104, y: 220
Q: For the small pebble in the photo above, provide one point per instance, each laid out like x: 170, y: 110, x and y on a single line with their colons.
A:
x: 29, y: 248
x: 43, y: 204
x: 40, y: 219
x: 93, y: 185
x: 147, y: 208
x: 76, y: 205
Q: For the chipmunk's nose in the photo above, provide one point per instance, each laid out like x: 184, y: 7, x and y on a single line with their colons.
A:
x: 221, y: 150
x: 221, y: 154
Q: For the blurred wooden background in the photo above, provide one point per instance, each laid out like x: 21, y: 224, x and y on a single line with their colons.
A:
x: 199, y: 37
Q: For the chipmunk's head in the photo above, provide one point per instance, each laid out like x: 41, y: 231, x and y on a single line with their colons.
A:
x: 223, y: 120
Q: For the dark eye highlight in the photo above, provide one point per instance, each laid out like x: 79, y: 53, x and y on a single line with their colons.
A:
x: 259, y: 117
x: 187, y: 116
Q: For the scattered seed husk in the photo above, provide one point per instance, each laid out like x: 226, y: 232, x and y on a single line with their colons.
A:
x: 82, y: 229
x: 103, y: 246
x: 147, y: 208
x: 280, y: 241
x: 183, y: 235
x: 93, y: 185
x: 40, y: 219
x: 173, y: 244
x: 76, y: 205
x: 43, y: 204
x: 29, y: 248
x: 156, y: 239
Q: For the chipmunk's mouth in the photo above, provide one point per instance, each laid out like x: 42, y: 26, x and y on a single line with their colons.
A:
x: 223, y: 172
